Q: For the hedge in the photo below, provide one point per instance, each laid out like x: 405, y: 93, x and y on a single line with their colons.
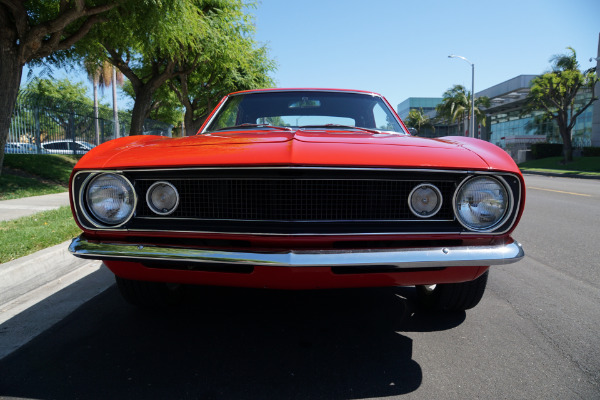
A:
x: 545, y: 150
x: 591, y: 152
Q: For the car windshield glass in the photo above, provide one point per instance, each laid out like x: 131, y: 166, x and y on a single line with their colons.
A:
x: 303, y: 109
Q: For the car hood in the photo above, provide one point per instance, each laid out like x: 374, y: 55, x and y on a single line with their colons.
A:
x: 300, y: 147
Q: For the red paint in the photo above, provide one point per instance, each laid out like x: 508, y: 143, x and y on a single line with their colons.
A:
x: 316, y: 147
x: 294, y: 278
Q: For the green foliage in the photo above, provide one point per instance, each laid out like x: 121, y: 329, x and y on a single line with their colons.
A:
x: 417, y: 119
x: 591, y: 151
x: 55, y: 167
x: 35, y: 175
x: 545, y: 150
x: 16, y: 186
x: 27, y: 235
x: 165, y: 106
x: 554, y: 93
x: 241, y: 67
x: 64, y: 106
x: 456, y: 105
x: 204, y: 45
x: 579, y: 165
x: 62, y: 96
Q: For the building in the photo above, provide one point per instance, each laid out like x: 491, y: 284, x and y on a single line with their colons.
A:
x: 507, y: 125
x: 427, y: 105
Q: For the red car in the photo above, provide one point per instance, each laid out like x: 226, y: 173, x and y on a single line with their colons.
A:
x: 299, y: 189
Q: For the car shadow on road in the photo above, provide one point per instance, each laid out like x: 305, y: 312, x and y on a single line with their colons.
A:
x: 230, y: 343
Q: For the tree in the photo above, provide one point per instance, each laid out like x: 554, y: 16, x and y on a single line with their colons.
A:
x: 456, y: 106
x: 417, y: 119
x: 36, y: 29
x: 116, y: 78
x: 151, y: 44
x: 66, y: 107
x: 101, y: 77
x: 165, y: 106
x: 242, y: 67
x: 555, y: 94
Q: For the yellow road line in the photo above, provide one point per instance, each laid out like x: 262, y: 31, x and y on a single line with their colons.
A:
x: 560, y: 191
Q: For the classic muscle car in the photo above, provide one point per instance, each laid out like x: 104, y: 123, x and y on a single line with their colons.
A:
x: 299, y: 189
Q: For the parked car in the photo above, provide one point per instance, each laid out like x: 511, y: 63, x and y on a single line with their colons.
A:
x: 299, y: 189
x: 67, y: 147
x: 12, y: 148
x: 22, y: 148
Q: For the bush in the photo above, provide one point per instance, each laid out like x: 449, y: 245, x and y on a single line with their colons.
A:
x: 545, y: 150
x: 591, y: 152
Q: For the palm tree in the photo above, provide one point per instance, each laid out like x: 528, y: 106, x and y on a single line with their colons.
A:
x: 116, y: 79
x: 100, y: 77
x: 456, y: 106
x: 554, y: 93
x: 417, y: 119
x: 565, y: 62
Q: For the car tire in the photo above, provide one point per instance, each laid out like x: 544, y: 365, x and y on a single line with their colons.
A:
x: 452, y: 296
x: 149, y: 294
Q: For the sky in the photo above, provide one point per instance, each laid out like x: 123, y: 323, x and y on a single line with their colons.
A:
x: 400, y: 48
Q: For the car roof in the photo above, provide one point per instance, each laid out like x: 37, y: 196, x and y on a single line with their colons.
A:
x: 65, y: 140
x: 305, y: 90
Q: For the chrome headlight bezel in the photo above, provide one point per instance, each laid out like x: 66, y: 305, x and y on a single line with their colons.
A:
x: 508, y: 209
x: 92, y: 216
x: 438, y: 206
x: 152, y: 206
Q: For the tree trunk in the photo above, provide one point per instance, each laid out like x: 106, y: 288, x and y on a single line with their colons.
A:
x: 141, y: 109
x: 143, y: 101
x: 117, y: 128
x: 567, y: 145
x: 565, y: 133
x: 96, y: 122
x: 188, y: 120
x: 192, y: 126
x: 11, y: 70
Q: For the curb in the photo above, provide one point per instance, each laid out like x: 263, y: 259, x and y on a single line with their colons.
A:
x: 559, y: 175
x: 39, y: 290
x: 25, y: 274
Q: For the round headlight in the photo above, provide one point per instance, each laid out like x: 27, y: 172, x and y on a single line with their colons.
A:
x: 425, y: 200
x: 162, y: 198
x: 110, y: 198
x: 481, y: 203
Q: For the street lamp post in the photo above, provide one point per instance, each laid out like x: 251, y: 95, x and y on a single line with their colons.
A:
x: 472, y: 118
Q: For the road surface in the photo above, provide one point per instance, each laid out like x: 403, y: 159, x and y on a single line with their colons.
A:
x: 535, y: 335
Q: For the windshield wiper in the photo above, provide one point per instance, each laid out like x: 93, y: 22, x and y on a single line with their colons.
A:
x: 246, y: 126
x: 341, y: 126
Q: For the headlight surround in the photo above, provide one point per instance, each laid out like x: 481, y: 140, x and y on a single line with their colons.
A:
x: 481, y: 203
x: 425, y: 200
x: 162, y: 198
x: 110, y: 198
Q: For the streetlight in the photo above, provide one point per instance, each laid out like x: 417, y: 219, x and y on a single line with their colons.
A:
x: 472, y: 127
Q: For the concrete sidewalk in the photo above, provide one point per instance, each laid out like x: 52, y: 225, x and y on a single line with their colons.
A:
x: 40, y: 289
x: 17, y: 208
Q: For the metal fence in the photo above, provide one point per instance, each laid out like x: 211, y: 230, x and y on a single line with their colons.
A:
x: 38, y: 126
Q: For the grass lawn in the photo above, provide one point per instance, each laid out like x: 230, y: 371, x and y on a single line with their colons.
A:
x: 26, y: 175
x: 580, y: 165
x: 27, y: 235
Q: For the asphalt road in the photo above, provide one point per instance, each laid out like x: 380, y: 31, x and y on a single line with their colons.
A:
x: 535, y: 335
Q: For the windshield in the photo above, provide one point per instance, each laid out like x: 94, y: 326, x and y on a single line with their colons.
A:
x: 305, y: 109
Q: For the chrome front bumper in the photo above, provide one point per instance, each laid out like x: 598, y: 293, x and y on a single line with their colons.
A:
x: 460, y: 256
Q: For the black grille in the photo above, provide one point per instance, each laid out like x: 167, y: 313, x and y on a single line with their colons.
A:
x: 307, y: 200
